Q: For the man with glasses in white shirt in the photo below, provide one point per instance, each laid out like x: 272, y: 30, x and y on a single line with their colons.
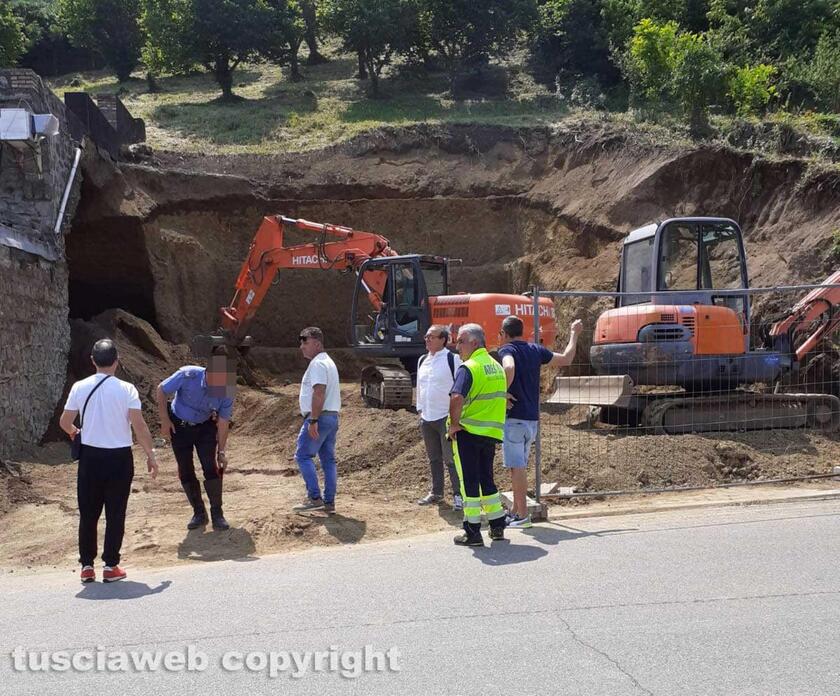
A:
x: 320, y: 404
x: 435, y: 377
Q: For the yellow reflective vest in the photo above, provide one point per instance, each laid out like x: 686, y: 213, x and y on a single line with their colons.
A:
x: 486, y: 404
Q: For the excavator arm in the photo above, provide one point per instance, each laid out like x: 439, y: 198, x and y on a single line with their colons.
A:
x: 338, y: 248
x: 813, y: 318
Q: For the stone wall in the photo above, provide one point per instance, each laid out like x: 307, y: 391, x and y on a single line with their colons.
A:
x: 34, y: 331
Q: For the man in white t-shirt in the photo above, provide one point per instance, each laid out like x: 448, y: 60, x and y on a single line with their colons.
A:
x: 320, y: 402
x: 435, y: 377
x: 111, y: 408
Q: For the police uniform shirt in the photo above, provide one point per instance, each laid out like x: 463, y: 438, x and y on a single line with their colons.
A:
x: 193, y: 402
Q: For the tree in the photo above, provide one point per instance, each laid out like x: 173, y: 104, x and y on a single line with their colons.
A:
x: 109, y: 27
x: 12, y: 42
x: 650, y: 61
x: 168, y: 46
x: 750, y: 88
x: 665, y: 66
x: 770, y: 30
x: 226, y: 33
x: 620, y: 16
x: 466, y: 34
x: 824, y: 71
x: 48, y: 51
x: 310, y: 19
x: 569, y: 38
x: 286, y: 34
x: 374, y: 30
x: 697, y: 79
x: 220, y: 34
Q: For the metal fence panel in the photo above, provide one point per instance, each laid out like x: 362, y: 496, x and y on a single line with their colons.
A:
x: 666, y: 392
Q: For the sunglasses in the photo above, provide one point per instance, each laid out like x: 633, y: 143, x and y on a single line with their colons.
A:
x: 303, y: 339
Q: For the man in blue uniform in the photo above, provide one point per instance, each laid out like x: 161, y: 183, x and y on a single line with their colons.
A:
x: 198, y: 419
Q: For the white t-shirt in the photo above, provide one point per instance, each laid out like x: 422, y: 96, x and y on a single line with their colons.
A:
x: 321, y: 370
x: 106, y: 421
x: 434, y: 382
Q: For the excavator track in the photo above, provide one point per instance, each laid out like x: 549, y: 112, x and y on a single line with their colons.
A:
x: 386, y: 387
x: 742, y: 411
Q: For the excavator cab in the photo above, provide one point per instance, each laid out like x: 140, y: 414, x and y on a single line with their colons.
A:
x: 678, y: 327
x: 391, y: 313
x: 397, y: 327
x: 684, y: 254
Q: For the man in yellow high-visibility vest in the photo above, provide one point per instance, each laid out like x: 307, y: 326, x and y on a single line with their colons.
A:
x: 477, y: 406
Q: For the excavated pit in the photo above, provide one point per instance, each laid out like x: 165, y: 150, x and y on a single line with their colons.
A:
x: 177, y: 269
x: 517, y: 207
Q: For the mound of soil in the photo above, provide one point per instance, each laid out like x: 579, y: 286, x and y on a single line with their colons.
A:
x: 15, y: 487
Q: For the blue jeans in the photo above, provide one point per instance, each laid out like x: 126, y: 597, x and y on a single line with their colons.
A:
x: 324, y: 447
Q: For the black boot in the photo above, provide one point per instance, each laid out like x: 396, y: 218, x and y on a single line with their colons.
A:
x: 471, y: 536
x: 193, y: 491
x: 214, y: 494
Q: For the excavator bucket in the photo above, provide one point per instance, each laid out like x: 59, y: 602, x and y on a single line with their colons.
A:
x: 608, y: 390
x: 217, y: 344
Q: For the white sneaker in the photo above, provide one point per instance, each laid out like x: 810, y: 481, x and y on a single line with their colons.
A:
x: 517, y: 522
x: 458, y: 503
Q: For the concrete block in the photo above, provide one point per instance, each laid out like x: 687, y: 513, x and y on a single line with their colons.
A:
x: 556, y: 488
x: 538, y: 511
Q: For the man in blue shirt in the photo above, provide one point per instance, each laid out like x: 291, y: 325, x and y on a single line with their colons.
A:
x: 198, y: 419
x: 522, y: 362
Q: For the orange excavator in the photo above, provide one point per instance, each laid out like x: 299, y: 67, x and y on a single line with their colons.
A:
x: 678, y: 353
x: 397, y: 298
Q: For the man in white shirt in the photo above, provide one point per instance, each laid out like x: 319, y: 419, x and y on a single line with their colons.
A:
x: 320, y: 403
x: 111, y: 408
x: 435, y: 377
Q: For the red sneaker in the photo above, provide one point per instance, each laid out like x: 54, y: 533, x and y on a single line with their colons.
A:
x: 112, y: 574
x: 88, y: 574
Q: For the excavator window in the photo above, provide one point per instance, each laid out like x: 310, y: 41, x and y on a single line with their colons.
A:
x: 406, y: 298
x: 721, y: 266
x: 636, y: 272
x: 434, y: 274
x: 678, y: 254
x: 721, y: 258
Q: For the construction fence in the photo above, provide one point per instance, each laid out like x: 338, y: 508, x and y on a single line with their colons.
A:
x: 681, y: 389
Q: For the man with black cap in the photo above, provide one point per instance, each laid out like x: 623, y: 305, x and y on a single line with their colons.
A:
x: 198, y: 419
x: 110, y: 408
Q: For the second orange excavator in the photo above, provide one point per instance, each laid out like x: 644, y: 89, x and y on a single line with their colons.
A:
x: 397, y: 298
x: 679, y: 352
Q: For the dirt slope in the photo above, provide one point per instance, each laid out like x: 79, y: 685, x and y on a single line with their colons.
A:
x: 517, y: 206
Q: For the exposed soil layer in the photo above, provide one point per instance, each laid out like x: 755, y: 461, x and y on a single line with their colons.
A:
x: 519, y: 207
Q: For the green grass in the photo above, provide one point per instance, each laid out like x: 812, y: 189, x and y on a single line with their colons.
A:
x: 329, y: 106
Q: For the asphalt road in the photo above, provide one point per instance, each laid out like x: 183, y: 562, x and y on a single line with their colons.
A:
x: 735, y: 601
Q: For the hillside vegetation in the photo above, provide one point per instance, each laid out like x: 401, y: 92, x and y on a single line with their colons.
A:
x: 269, y: 75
